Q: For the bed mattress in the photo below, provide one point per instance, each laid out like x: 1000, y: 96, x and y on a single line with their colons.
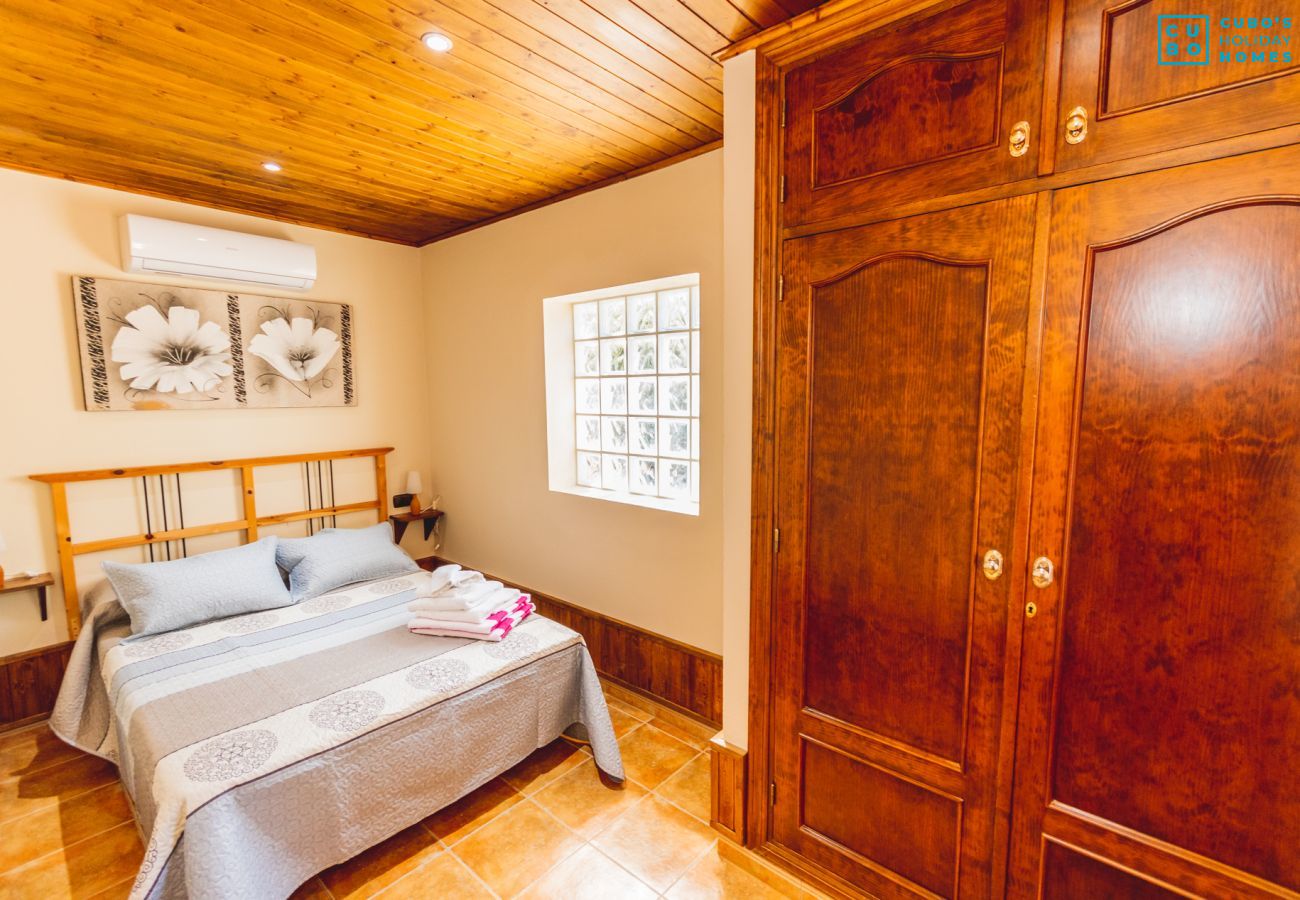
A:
x: 259, y: 750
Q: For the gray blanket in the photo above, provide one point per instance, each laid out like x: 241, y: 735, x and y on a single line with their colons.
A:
x: 261, y: 749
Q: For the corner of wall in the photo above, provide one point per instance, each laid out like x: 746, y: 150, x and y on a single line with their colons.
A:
x: 739, y: 93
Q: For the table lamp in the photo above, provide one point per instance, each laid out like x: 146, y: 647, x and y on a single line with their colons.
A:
x: 413, y: 487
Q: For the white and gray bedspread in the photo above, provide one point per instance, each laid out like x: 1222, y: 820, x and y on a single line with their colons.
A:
x: 261, y: 749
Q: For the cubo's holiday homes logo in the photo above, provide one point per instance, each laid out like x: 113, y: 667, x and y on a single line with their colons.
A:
x: 1186, y: 40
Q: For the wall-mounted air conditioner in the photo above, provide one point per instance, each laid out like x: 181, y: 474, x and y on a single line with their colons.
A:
x: 161, y: 247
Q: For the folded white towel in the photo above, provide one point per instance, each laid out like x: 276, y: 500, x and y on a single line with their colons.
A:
x: 434, y: 608
x: 422, y: 623
x: 494, y: 627
x: 466, y: 597
x: 448, y: 579
x: 439, y: 578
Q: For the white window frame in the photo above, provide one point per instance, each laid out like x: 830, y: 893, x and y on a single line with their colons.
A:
x: 562, y: 420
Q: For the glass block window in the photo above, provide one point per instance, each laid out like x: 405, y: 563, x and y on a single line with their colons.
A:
x: 636, y: 384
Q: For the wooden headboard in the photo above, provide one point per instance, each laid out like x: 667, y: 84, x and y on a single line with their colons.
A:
x: 247, y: 524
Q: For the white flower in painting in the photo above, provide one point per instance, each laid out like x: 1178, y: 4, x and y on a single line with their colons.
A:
x: 297, y: 350
x: 178, y: 354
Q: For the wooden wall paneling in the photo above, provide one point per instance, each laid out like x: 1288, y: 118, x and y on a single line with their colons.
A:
x: 684, y: 678
x: 6, y: 701
x: 727, y: 790
x: 767, y: 263
x: 29, y: 683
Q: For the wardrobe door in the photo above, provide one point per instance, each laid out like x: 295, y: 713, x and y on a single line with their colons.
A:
x: 1139, y: 76
x: 918, y: 110
x: 1159, y: 723
x: 900, y: 376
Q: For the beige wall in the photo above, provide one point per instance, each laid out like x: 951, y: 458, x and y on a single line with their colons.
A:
x: 738, y: 372
x: 51, y: 230
x: 484, y: 291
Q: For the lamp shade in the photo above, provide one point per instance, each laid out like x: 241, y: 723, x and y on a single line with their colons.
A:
x: 413, y: 485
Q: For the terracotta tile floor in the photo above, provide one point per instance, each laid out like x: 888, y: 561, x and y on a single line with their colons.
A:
x: 66, y: 830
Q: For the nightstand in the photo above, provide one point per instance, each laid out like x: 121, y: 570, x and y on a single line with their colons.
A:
x: 40, y: 583
x: 429, y: 517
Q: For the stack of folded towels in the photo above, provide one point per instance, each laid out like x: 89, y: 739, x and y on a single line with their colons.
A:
x: 456, y: 602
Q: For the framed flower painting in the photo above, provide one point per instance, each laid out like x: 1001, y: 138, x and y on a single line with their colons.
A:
x: 148, y: 346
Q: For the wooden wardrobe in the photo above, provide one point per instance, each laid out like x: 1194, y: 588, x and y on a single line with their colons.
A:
x: 1027, y: 496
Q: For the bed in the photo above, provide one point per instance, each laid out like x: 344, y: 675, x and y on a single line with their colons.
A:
x: 259, y: 749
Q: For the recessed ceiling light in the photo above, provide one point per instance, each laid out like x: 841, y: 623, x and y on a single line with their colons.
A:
x: 271, y: 166
x: 437, y: 41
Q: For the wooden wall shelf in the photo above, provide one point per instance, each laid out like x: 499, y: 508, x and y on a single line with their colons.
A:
x: 429, y: 517
x: 39, y: 583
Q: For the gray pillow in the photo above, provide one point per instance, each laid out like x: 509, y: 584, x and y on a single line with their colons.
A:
x: 333, y: 558
x: 164, y: 596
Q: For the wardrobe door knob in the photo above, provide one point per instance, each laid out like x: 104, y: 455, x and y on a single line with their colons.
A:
x: 1076, y: 125
x: 1019, y: 140
x: 992, y: 564
x: 1043, y: 573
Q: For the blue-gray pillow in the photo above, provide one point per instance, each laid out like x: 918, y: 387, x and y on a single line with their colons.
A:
x: 337, y: 557
x: 164, y: 596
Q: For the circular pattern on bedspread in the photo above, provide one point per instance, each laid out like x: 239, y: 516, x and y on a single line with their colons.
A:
x: 438, y: 675
x: 249, y: 624
x: 163, y: 643
x: 231, y: 755
x: 146, y: 866
x: 514, y: 646
x: 326, y: 604
x: 347, y: 711
x: 392, y: 586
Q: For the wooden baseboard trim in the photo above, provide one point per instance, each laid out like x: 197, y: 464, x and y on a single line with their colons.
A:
x: 822, y: 880
x: 680, y: 676
x: 29, y: 684
x: 727, y: 790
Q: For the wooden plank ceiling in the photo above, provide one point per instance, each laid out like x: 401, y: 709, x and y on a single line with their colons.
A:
x: 376, y: 134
